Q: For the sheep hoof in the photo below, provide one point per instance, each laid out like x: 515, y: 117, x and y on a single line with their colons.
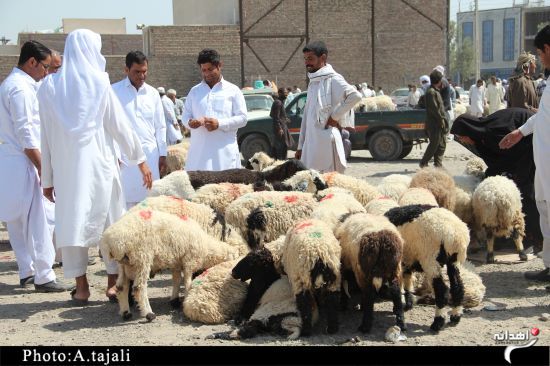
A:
x: 126, y: 315
x: 364, y: 328
x: 150, y: 317
x: 438, y: 323
x: 175, y: 303
x: 490, y: 258
x: 455, y: 319
x: 408, y: 302
x: 522, y: 255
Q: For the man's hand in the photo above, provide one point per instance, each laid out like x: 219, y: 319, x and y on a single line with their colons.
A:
x: 162, y: 165
x: 211, y: 124
x: 147, y: 175
x: 48, y: 193
x: 465, y: 140
x: 298, y: 154
x: 332, y: 123
x: 280, y: 132
x: 196, y: 123
x: 510, y: 140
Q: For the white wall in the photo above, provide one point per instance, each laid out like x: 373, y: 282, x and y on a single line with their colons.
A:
x: 205, y: 12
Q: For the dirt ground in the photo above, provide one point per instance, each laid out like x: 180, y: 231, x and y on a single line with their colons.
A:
x: 30, y: 318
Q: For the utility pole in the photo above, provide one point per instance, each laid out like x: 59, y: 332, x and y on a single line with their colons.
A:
x: 477, y: 48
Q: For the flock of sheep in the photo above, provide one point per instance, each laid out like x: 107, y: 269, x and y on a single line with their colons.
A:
x: 268, y: 247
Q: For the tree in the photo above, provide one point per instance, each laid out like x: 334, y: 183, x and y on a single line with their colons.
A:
x: 461, y: 54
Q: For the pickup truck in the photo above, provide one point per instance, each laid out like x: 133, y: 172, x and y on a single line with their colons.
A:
x: 387, y: 135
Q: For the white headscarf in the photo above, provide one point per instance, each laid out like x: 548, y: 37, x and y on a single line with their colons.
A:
x: 77, y: 92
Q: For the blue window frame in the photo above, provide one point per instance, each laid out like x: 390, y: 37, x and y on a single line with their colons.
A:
x: 487, y: 41
x: 467, y: 30
x: 509, y: 30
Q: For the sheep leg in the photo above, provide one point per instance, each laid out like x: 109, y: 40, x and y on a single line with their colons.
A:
x: 304, y: 302
x: 440, y: 290
x: 395, y: 293
x: 123, y: 288
x: 176, y: 281
x: 331, y: 301
x: 457, y: 292
x: 518, y: 241
x: 368, y: 293
x: 140, y: 293
x: 187, y: 278
x: 250, y: 329
x: 408, y: 285
x: 253, y: 295
x: 490, y: 247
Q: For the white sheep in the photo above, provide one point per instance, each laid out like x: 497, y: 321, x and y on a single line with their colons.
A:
x: 363, y: 191
x: 260, y: 161
x: 219, y: 196
x: 433, y: 237
x: 439, y: 182
x: 468, y: 183
x: 392, y: 190
x: 463, y: 206
x: 264, y: 216
x: 215, y: 296
x: 397, y: 178
x: 373, y: 248
x: 209, y: 220
x: 417, y: 196
x: 303, y: 181
x: 333, y: 206
x: 375, y: 104
x: 175, y: 184
x: 476, y: 167
x: 147, y: 241
x: 176, y: 155
x: 380, y: 205
x: 460, y: 109
x: 311, y: 259
x: 498, y: 212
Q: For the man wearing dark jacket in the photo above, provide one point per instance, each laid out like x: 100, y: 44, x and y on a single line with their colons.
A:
x: 437, y: 124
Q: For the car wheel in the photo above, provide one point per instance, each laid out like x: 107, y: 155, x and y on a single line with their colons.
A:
x: 407, y: 148
x: 385, y: 145
x: 254, y: 143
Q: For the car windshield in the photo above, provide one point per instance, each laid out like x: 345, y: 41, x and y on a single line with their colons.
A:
x: 258, y: 102
x: 400, y: 93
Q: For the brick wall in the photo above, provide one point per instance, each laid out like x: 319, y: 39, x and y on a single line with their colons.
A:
x: 172, y: 52
x: 111, y: 44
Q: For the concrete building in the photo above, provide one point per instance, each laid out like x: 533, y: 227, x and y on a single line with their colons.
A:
x: 504, y: 34
x: 205, y: 12
x: 101, y: 26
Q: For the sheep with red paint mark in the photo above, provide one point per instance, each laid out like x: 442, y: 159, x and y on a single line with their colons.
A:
x: 148, y: 241
x: 361, y: 190
x: 220, y: 195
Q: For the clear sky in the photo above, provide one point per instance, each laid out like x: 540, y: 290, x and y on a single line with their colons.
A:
x: 37, y: 15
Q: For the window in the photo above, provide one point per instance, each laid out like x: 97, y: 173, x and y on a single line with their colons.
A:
x: 487, y: 41
x: 467, y: 30
x: 509, y: 31
x: 298, y: 107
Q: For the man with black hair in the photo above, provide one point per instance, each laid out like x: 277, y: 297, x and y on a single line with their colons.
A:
x: 329, y: 100
x: 437, y: 124
x: 214, y: 110
x: 540, y: 128
x: 21, y: 201
x: 143, y: 106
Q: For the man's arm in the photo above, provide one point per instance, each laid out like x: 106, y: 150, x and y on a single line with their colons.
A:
x: 160, y: 126
x: 238, y: 118
x: 345, y: 92
x: 21, y: 109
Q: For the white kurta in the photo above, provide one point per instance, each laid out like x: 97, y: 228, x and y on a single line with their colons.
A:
x: 172, y: 134
x: 144, y: 110
x: 86, y: 178
x: 477, y: 98
x: 21, y: 200
x: 218, y: 149
x: 495, y: 95
x: 322, y: 148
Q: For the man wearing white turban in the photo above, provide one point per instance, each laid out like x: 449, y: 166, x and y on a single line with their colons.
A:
x: 81, y: 120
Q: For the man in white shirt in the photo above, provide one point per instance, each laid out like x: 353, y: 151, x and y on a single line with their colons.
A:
x: 144, y: 110
x: 173, y: 133
x: 21, y: 201
x: 330, y: 98
x: 414, y: 96
x: 495, y: 95
x: 540, y: 128
x: 477, y: 99
x: 214, y: 110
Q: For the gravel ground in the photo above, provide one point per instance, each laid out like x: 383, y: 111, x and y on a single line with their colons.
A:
x: 30, y: 318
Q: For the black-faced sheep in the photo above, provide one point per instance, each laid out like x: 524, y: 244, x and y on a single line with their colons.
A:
x: 147, y: 241
x: 373, y: 248
x: 497, y: 212
x: 260, y: 161
x: 433, y: 237
x: 439, y: 182
x: 311, y: 259
x: 304, y: 181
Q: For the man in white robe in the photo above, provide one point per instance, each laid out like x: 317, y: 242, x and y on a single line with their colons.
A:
x: 477, y: 99
x: 21, y: 202
x: 495, y: 95
x: 144, y: 110
x: 173, y: 133
x: 540, y: 128
x: 81, y: 120
x: 329, y: 99
x: 214, y: 110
